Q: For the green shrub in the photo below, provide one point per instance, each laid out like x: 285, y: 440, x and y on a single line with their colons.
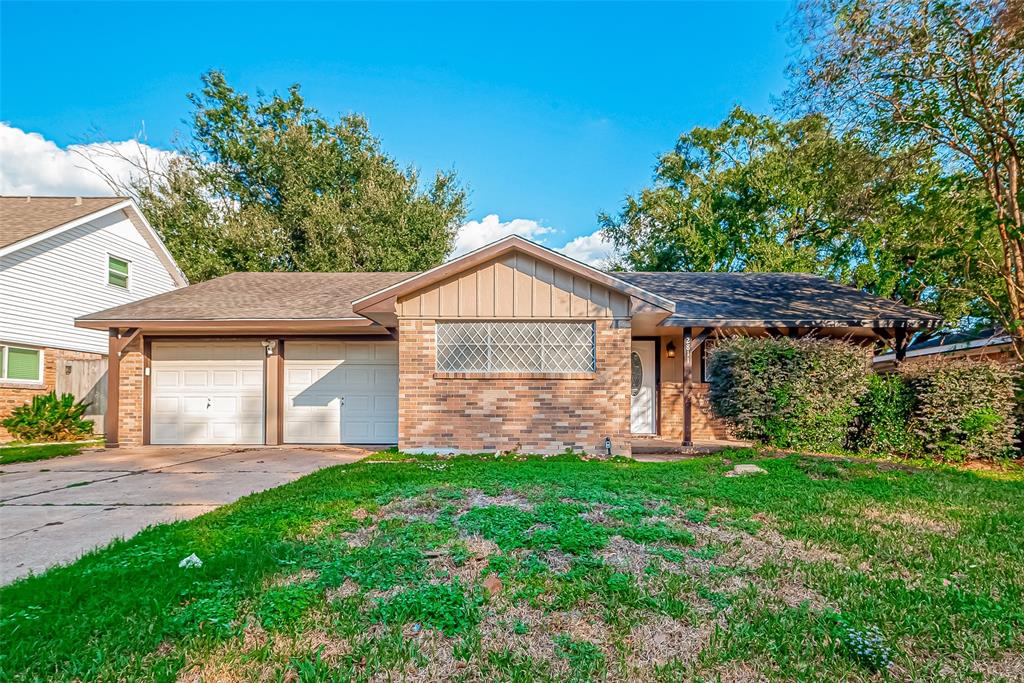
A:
x: 883, y: 417
x: 790, y: 393
x: 49, y: 418
x: 964, y: 409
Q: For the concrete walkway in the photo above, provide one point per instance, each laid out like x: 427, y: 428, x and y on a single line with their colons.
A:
x: 53, y: 511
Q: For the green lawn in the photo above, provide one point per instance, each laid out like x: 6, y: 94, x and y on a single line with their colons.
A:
x: 483, y: 568
x: 12, y: 454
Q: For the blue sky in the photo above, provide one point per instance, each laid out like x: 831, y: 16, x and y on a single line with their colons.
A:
x: 548, y: 112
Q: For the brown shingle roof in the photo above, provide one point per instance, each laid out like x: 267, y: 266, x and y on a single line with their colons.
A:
x: 24, y: 217
x: 779, y: 298
x: 258, y: 296
x: 701, y: 299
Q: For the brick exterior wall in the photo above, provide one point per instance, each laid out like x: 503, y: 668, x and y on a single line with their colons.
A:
x: 130, y: 410
x: 532, y: 414
x: 14, y: 394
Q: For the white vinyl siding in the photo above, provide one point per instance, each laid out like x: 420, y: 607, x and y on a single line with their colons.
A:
x: 21, y: 365
x: 496, y: 347
x: 48, y: 284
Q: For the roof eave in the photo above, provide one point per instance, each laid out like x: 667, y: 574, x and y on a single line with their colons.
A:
x: 223, y: 326
x: 904, y: 323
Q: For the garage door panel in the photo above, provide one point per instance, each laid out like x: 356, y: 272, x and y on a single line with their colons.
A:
x: 319, y: 375
x: 166, y: 378
x: 196, y: 378
x: 298, y: 377
x: 387, y: 404
x: 207, y: 392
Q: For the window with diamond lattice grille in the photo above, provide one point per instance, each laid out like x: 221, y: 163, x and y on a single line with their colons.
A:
x: 496, y: 347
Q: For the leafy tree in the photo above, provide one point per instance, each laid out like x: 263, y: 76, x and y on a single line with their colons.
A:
x: 944, y: 74
x: 758, y: 194
x: 272, y: 185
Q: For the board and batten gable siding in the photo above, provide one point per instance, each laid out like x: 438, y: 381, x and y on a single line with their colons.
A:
x: 48, y: 284
x: 515, y: 286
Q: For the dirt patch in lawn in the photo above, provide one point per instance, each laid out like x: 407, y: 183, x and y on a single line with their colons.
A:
x: 479, y: 551
x: 478, y: 499
x: 912, y: 521
x: 303, y: 576
x: 530, y: 632
x: 661, y: 639
x: 625, y: 555
x: 360, y: 538
x: 342, y: 592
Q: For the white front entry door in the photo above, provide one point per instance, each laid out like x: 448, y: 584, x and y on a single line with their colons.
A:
x: 341, y: 392
x: 642, y: 387
x: 207, y: 393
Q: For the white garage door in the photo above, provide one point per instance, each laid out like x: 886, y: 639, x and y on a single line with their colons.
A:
x: 207, y: 392
x: 341, y: 392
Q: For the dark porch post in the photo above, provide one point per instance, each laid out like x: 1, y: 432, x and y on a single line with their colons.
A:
x: 900, y: 344
x: 110, y: 418
x: 687, y: 386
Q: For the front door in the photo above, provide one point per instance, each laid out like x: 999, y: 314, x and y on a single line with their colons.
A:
x: 642, y: 387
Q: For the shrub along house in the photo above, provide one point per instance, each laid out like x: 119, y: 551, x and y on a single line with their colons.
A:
x: 512, y: 346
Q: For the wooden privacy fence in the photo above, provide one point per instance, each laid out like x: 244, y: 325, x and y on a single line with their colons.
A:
x: 86, y: 379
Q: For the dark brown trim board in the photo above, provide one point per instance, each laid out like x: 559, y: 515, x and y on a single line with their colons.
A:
x: 147, y: 390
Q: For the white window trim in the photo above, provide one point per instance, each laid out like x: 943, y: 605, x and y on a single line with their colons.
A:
x: 3, y: 365
x: 106, y: 274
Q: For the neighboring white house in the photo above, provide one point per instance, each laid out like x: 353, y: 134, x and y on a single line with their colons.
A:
x: 60, y: 258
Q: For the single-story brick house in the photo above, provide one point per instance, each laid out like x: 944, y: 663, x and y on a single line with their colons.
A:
x: 510, y: 346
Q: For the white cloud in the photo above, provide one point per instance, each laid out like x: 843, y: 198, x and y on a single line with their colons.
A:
x: 476, y: 234
x: 595, y: 249
x: 32, y: 165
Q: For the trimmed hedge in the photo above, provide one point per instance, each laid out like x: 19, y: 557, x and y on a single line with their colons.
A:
x: 964, y: 409
x: 821, y: 395
x: 788, y: 393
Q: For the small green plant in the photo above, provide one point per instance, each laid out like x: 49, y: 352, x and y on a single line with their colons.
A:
x: 866, y: 646
x: 586, y: 662
x: 49, y: 418
x: 444, y: 607
x: 284, y: 606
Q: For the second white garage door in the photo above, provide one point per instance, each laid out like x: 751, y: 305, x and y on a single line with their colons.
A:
x: 207, y: 392
x: 341, y: 392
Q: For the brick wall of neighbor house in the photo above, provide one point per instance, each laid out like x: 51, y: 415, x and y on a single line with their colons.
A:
x: 14, y: 394
x: 130, y: 410
x: 547, y: 415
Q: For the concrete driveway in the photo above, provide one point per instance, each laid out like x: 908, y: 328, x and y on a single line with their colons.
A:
x: 52, y: 511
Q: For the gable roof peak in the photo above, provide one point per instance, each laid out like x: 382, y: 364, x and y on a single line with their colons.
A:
x: 499, y: 248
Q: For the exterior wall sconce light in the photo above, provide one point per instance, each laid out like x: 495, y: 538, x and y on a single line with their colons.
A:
x: 670, y: 350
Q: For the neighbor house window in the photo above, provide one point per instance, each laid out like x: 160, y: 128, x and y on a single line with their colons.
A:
x: 496, y: 347
x: 117, y: 272
x: 21, y: 365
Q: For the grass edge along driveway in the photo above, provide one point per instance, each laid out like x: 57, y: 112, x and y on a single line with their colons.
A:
x: 526, y: 568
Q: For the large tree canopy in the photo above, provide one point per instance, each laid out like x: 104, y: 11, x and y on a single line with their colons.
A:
x: 271, y: 184
x: 944, y: 74
x: 758, y: 194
